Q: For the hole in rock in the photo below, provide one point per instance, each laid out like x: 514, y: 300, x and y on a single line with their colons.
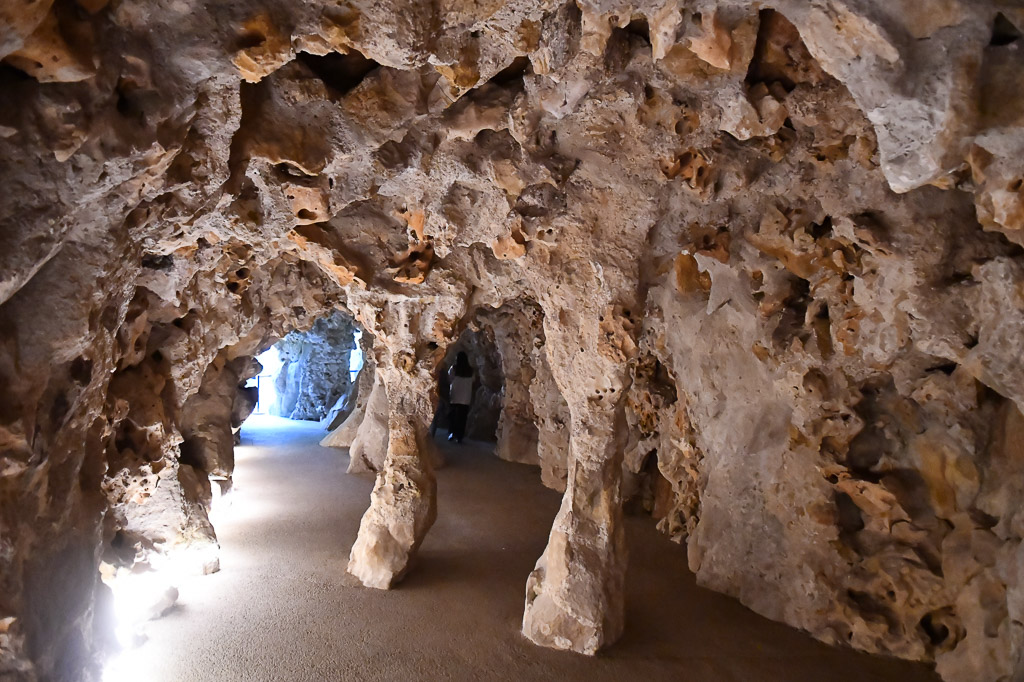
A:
x: 158, y: 261
x: 640, y: 28
x: 81, y: 370
x: 849, y: 516
x: 341, y: 73
x: 11, y: 76
x: 1004, y: 32
x: 129, y: 101
x: 291, y: 170
x: 512, y: 73
x: 249, y: 39
x: 937, y: 627
x: 822, y: 229
x: 780, y: 55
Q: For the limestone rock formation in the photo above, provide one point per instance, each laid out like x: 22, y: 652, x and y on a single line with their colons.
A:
x: 368, y: 443
x: 758, y: 264
x: 346, y: 422
x: 212, y: 415
x: 534, y: 424
x: 315, y: 368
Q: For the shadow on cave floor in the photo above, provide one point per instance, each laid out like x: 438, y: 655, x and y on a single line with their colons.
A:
x: 281, y: 610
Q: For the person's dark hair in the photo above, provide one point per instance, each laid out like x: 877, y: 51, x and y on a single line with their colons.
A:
x: 462, y: 367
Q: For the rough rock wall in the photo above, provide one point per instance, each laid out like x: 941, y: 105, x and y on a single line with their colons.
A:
x: 121, y: 486
x: 342, y: 436
x: 773, y: 248
x: 354, y: 401
x: 369, y: 441
x: 315, y: 368
x: 533, y: 426
x: 212, y: 415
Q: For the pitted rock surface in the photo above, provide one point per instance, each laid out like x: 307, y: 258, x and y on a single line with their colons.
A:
x: 757, y: 265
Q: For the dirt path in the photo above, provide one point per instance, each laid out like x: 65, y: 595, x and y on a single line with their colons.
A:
x: 281, y: 610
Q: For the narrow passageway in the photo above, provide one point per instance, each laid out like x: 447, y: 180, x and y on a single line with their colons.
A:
x: 281, y: 608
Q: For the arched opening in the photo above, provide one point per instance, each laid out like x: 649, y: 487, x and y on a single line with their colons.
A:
x: 168, y: 490
x: 316, y: 368
x: 481, y: 396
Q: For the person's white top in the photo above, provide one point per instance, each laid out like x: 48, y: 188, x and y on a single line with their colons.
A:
x: 462, y: 390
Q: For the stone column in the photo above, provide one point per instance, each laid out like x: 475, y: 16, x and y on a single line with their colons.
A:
x: 515, y: 340
x: 574, y: 596
x: 369, y: 445
x: 403, y: 504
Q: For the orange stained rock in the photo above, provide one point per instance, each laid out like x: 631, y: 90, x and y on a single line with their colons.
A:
x: 262, y: 49
x: 714, y: 43
x: 689, y: 276
x: 415, y: 219
x: 309, y: 204
x: 507, y: 248
x: 413, y: 264
x: 327, y: 258
x: 47, y: 56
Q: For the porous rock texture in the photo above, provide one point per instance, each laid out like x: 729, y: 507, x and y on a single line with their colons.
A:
x: 760, y: 260
x: 314, y: 368
x: 354, y: 399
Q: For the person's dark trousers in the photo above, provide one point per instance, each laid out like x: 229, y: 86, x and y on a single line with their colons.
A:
x: 457, y: 421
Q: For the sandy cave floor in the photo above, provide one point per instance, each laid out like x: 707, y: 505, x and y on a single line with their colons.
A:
x: 281, y: 609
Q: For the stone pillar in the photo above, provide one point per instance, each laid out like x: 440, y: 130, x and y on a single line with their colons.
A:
x: 534, y: 423
x: 516, y: 340
x: 344, y: 435
x: 574, y: 596
x: 369, y: 445
x: 410, y: 338
x: 403, y: 504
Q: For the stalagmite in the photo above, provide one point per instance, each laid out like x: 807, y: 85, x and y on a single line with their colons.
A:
x: 403, y: 504
x: 574, y: 597
x: 369, y: 435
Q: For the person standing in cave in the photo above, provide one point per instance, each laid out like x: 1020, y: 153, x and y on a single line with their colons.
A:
x: 460, y: 395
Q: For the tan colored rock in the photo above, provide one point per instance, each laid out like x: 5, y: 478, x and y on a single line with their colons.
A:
x: 758, y: 268
x: 368, y: 447
x: 19, y: 20
x: 46, y: 56
x: 261, y: 48
x: 714, y: 44
x: 403, y: 505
